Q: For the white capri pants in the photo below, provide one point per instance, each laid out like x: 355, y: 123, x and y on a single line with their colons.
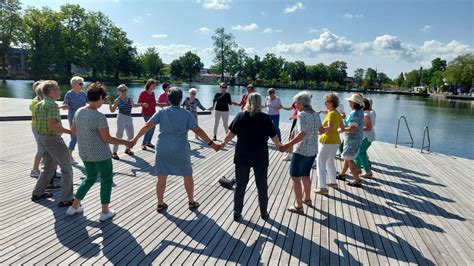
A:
x: 225, y: 120
x: 326, y: 161
x: 124, y: 122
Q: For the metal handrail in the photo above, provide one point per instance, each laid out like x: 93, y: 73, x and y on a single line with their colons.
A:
x: 426, y: 132
x: 398, y: 130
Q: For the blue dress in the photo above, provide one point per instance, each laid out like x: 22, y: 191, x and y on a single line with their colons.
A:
x: 173, y: 156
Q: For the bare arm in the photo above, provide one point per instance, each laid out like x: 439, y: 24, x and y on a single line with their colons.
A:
x: 138, y: 104
x: 148, y: 125
x: 206, y: 138
x: 228, y: 138
x: 114, y: 106
x: 367, y: 123
x: 105, y: 136
x: 55, y: 126
x: 286, y: 108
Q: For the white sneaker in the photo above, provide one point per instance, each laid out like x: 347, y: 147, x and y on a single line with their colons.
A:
x: 35, y: 173
x: 105, y: 216
x: 72, y: 211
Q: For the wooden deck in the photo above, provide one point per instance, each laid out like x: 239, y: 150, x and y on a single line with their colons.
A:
x: 417, y: 210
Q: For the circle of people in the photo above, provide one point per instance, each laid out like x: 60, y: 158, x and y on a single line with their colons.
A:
x: 311, y: 141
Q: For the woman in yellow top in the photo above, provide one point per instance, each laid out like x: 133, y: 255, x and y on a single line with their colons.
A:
x: 329, y: 143
x: 39, y: 151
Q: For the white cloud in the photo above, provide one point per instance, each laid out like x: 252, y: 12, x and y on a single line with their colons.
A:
x: 446, y: 51
x: 250, y: 51
x: 170, y: 52
x: 249, y: 27
x: 138, y: 19
x: 270, y: 30
x: 159, y: 36
x: 426, y: 28
x: 293, y: 8
x: 327, y: 42
x: 353, y: 16
x: 388, y: 42
x: 215, y: 4
x: 203, y: 30
x: 148, y: 14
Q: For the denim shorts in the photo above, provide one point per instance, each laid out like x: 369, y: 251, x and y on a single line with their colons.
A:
x: 301, y: 165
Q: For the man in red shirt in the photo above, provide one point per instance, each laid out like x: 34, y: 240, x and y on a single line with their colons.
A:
x: 243, y: 101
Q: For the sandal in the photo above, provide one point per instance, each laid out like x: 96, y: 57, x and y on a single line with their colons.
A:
x: 115, y: 156
x: 42, y: 196
x: 367, y: 175
x: 309, y: 203
x: 144, y: 147
x: 354, y: 184
x: 341, y: 177
x: 193, y: 205
x: 161, y: 207
x: 129, y: 152
x: 321, y: 191
x: 295, y: 209
x: 151, y: 145
x: 333, y: 185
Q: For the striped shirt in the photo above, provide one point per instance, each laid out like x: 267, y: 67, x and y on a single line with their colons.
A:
x: 46, y: 110
x: 192, y: 106
x: 125, y: 106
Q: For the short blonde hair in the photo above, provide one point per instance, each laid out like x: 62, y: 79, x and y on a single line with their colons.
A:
x: 254, y: 103
x: 76, y: 79
x: 193, y: 90
x: 38, y: 89
x: 332, y: 97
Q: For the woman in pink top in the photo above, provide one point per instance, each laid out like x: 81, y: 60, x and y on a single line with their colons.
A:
x: 148, y: 101
x: 163, y: 100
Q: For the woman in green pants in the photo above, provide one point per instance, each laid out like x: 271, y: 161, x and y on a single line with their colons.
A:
x: 94, y: 138
x: 362, y: 160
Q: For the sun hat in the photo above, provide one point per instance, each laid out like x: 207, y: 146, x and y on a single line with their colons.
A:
x: 356, y: 98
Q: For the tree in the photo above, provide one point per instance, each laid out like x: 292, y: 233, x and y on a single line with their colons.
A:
x: 382, y: 78
x: 438, y: 65
x: 318, y: 73
x: 359, y: 76
x: 176, y: 69
x: 271, y: 67
x: 151, y: 63
x: 121, y: 55
x: 97, y: 28
x: 236, y: 63
x: 73, y: 20
x: 298, y: 71
x: 337, y: 71
x: 412, y: 78
x: 10, y: 28
x: 370, y: 78
x: 186, y: 66
x: 400, y: 80
x: 251, y: 68
x: 461, y: 69
x: 223, y: 45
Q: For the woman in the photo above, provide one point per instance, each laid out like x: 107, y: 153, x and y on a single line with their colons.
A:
x: 192, y: 104
x: 220, y: 104
x: 148, y: 102
x: 306, y: 141
x: 94, y: 138
x: 273, y: 103
x: 35, y: 172
x: 163, y: 100
x: 124, y: 117
x: 73, y: 100
x: 361, y: 159
x: 172, y: 151
x: 293, y: 117
x: 353, y: 126
x: 252, y: 128
x: 328, y: 144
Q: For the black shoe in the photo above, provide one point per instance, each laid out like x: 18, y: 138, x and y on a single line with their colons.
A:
x: 43, y: 196
x: 214, y: 139
x: 150, y: 145
x: 65, y: 203
x: 237, y: 217
x: 265, y: 216
x: 341, y: 177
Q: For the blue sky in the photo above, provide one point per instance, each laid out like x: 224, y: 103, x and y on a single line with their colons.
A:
x: 389, y: 35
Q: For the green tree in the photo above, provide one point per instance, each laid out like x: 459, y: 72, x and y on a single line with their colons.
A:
x: 223, y: 46
x: 382, y: 78
x: 370, y: 78
x: 337, y: 71
x: 151, y: 63
x: 73, y: 20
x: 318, y: 73
x: 359, y: 77
x: 271, y: 67
x: 10, y: 29
x: 191, y: 65
x: 97, y: 28
x: 121, y: 55
x: 461, y: 69
x: 412, y: 78
x: 436, y: 79
x: 176, y: 69
x: 236, y: 63
x: 400, y: 80
x: 438, y: 65
x: 298, y: 71
x: 251, y: 68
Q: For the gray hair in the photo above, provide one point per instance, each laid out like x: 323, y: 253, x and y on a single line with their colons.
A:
x: 304, y: 98
x: 254, y: 103
x: 37, y: 88
x: 175, y: 95
x: 48, y: 86
x: 192, y: 90
x: 122, y: 87
x: 76, y: 79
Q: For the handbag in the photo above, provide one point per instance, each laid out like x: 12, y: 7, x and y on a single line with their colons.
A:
x: 227, y: 183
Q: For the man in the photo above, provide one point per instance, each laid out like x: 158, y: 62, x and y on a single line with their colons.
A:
x: 49, y: 127
x: 243, y: 101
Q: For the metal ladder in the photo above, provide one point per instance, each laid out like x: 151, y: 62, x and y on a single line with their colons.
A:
x: 426, y: 132
x: 398, y: 130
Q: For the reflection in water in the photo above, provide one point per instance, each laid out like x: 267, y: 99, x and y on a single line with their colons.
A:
x: 450, y: 121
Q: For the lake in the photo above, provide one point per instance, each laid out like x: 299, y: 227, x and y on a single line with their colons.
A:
x: 450, y: 122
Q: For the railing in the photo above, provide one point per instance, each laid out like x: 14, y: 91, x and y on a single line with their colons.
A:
x: 426, y: 132
x: 398, y: 130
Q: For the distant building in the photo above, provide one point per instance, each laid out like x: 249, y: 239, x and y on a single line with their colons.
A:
x: 205, y: 77
x: 16, y: 62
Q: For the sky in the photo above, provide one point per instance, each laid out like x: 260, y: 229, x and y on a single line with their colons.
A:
x: 389, y: 35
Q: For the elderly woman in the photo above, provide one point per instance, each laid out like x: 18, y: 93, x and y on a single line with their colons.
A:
x: 192, y: 104
x: 306, y: 148
x: 273, y: 103
x: 124, y: 117
x: 172, y: 151
x: 328, y: 144
x: 220, y: 104
x: 252, y: 128
x: 353, y: 129
x: 361, y: 159
x: 73, y: 100
x: 35, y: 172
x: 148, y: 102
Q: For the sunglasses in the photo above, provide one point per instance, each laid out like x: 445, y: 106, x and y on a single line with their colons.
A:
x: 224, y: 87
x: 80, y: 84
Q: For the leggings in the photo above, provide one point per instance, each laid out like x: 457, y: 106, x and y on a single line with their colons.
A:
x: 124, y: 123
